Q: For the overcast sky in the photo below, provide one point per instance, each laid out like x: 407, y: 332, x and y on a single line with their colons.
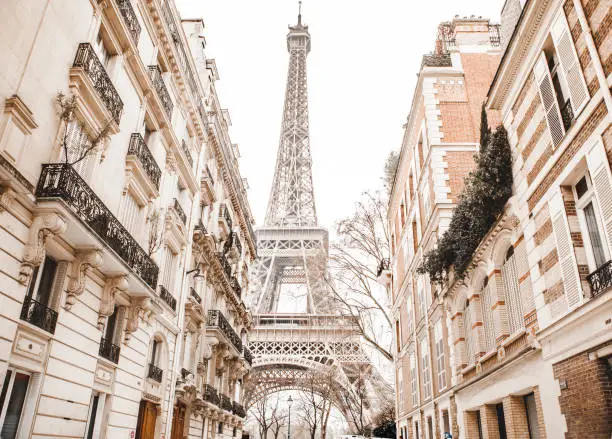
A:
x: 361, y: 75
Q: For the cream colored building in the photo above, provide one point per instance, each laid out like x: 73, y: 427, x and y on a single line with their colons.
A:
x: 121, y: 269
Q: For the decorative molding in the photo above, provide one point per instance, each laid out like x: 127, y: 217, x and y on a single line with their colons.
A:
x: 171, y: 164
x: 112, y: 286
x: 43, y: 226
x: 20, y: 113
x: 139, y: 309
x: 84, y: 261
x: 7, y: 197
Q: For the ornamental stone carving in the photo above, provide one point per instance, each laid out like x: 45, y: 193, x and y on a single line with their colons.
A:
x: 43, y: 226
x: 111, y: 288
x: 139, y: 309
x: 84, y: 261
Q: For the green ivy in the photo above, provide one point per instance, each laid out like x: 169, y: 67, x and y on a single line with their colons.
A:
x: 482, y: 200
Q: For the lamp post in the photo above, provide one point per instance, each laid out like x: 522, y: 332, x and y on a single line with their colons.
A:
x: 289, y: 402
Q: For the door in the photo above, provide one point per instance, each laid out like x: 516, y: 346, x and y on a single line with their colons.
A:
x: 178, y: 421
x: 147, y: 417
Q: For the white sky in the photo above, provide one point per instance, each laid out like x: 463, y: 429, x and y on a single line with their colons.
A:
x: 361, y: 75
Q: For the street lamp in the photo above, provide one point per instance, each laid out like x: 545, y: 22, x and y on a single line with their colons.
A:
x: 289, y: 402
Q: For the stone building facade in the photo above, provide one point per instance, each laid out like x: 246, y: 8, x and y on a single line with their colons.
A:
x: 441, y: 137
x: 125, y: 232
x: 530, y: 326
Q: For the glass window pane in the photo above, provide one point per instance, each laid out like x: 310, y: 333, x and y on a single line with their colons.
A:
x: 92, y: 416
x: 7, y: 380
x: 532, y: 416
x: 594, y: 236
x: 15, y: 405
x: 46, y: 282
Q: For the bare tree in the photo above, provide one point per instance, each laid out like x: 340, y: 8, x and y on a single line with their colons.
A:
x: 390, y: 170
x: 156, y: 231
x: 356, y: 399
x: 262, y: 415
x: 278, y: 419
x: 316, y: 400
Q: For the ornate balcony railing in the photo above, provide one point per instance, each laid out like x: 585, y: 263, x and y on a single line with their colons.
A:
x: 247, y: 355
x: 208, y: 175
x: 494, y: 35
x: 109, y: 350
x: 211, y: 395
x: 187, y: 153
x: 139, y: 148
x: 39, y: 315
x: 155, y: 373
x: 201, y: 228
x: 196, y: 296
x: 226, y: 403
x: 87, y: 59
x: 382, y: 266
x: 235, y: 286
x: 131, y: 21
x: 167, y: 297
x: 224, y: 213
x: 216, y: 319
x: 179, y: 211
x: 238, y: 410
x: 601, y: 279
x: 227, y: 268
x: 567, y: 115
x: 162, y: 91
x: 60, y: 180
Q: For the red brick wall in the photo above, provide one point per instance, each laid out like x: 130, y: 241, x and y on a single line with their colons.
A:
x: 479, y: 70
x: 586, y: 403
x: 460, y: 163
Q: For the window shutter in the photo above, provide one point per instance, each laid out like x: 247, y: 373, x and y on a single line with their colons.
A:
x: 602, y: 182
x: 579, y: 93
x: 549, y: 99
x: 565, y: 251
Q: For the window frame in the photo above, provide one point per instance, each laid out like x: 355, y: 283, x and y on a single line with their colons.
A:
x: 7, y: 398
x: 440, y: 355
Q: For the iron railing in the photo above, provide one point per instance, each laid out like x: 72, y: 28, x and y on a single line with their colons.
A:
x: 139, y: 148
x: 167, y: 297
x: 200, y: 227
x: 238, y: 244
x: 185, y: 373
x: 601, y: 279
x: 238, y: 410
x: 60, y: 180
x: 226, y: 403
x: 179, y: 211
x: 567, y: 115
x: 211, y: 395
x: 87, y: 59
x: 224, y: 213
x: 227, y: 268
x: 216, y: 319
x: 208, y: 174
x: 160, y: 88
x: 38, y: 315
x: 129, y: 16
x: 109, y: 350
x: 247, y: 355
x: 382, y: 266
x: 187, y: 153
x: 235, y: 286
x: 494, y: 35
x: 196, y: 296
x: 155, y: 373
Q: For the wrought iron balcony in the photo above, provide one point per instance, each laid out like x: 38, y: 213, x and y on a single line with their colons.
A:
x: 155, y: 373
x: 601, y: 279
x: 201, y: 228
x: 162, y: 91
x: 208, y: 175
x: 38, y: 315
x: 59, y: 180
x: 167, y: 297
x: 226, y: 403
x: 216, y: 319
x: 235, y: 286
x: 109, y: 350
x: 139, y: 148
x: 129, y: 16
x: 567, y: 115
x: 238, y: 410
x: 196, y: 296
x: 224, y: 213
x: 179, y: 211
x: 247, y: 355
x: 227, y: 268
x: 87, y: 59
x: 211, y: 395
x: 185, y: 373
x: 187, y: 153
x: 382, y: 266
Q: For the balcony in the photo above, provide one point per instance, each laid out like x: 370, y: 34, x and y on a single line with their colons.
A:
x: 139, y: 149
x: 179, y: 211
x: 162, y: 91
x: 109, y: 350
x: 601, y: 279
x: 187, y: 153
x: 155, y: 373
x: 235, y: 286
x: 218, y: 321
x: 167, y: 297
x: 196, y: 296
x: 59, y: 180
x: 211, y: 395
x: 226, y: 403
x: 207, y: 187
x: 129, y: 16
x: 238, y: 410
x: 39, y: 315
x: 247, y: 355
x: 87, y: 60
x: 225, y: 220
x: 567, y: 115
x: 227, y: 268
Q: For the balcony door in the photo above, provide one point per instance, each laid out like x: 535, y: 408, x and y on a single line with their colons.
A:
x: 178, y: 421
x: 147, y: 418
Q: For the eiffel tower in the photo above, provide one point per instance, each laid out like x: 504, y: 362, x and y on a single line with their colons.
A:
x: 291, y: 269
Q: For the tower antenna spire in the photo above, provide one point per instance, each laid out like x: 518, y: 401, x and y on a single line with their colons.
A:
x: 300, y: 13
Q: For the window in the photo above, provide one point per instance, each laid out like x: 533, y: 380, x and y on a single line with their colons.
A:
x: 409, y: 321
x: 110, y: 332
x: 426, y: 368
x: 501, y: 421
x: 400, y: 386
x: 41, y: 284
x: 479, y: 424
x: 155, y: 352
x: 421, y: 297
x: 487, y: 316
x: 430, y: 433
x: 234, y: 431
x: 93, y: 413
x: 470, y: 348
x: 415, y: 238
x: 398, y: 335
x: 402, y: 210
x: 132, y: 217
x: 445, y: 422
x: 416, y: 428
x: 596, y: 251
x: 78, y: 151
x: 12, y: 398
x: 532, y: 416
x: 100, y: 48
x: 513, y: 295
x: 413, y: 381
x: 439, y: 341
x: 169, y: 263
x: 220, y: 427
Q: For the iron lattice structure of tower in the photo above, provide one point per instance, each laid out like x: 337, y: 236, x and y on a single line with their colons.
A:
x: 293, y: 252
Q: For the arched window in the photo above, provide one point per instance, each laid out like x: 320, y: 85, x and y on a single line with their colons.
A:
x: 487, y: 316
x: 513, y: 294
x: 470, y: 347
x: 155, y: 371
